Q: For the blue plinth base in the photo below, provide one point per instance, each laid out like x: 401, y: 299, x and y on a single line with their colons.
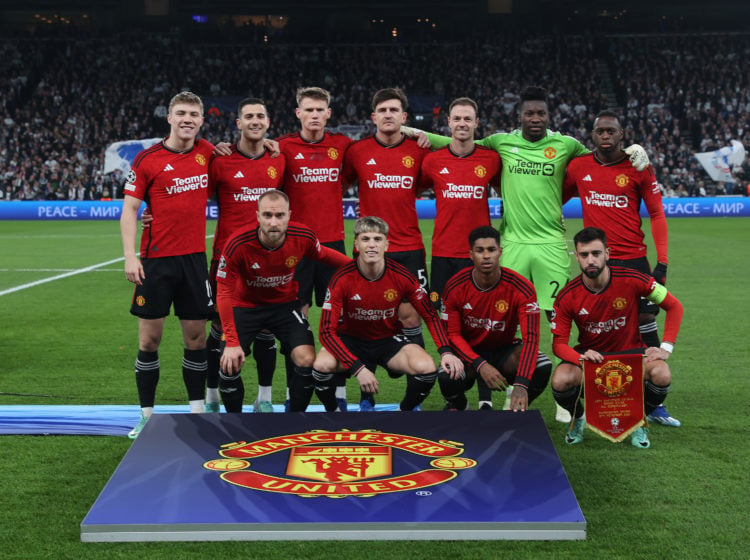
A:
x: 338, y: 476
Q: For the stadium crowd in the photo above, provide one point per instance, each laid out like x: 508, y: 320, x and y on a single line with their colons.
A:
x: 64, y: 100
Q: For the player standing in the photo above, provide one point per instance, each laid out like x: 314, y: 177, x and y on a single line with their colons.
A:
x: 483, y: 306
x: 313, y: 183
x: 257, y: 290
x: 611, y: 192
x: 460, y: 175
x: 172, y: 178
x: 359, y: 326
x: 238, y: 180
x: 386, y: 168
x: 604, y: 303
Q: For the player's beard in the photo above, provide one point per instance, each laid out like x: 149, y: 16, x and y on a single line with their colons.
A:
x: 593, y: 272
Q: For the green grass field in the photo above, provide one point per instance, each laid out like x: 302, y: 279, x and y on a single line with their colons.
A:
x: 72, y: 341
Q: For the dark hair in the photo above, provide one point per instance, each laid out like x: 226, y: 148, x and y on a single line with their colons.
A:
x: 533, y: 93
x: 250, y: 101
x: 589, y: 234
x: 607, y: 113
x: 464, y: 101
x: 387, y: 94
x: 483, y: 232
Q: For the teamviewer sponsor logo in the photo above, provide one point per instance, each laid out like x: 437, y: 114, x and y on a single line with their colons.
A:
x: 382, y: 181
x: 606, y: 200
x: 532, y: 168
x: 182, y: 185
x: 363, y: 314
x: 316, y: 175
x: 484, y: 323
x: 249, y: 194
x: 605, y: 326
x: 270, y: 281
x: 463, y: 191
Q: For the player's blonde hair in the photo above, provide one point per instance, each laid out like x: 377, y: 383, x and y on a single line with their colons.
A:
x: 368, y: 224
x: 187, y: 97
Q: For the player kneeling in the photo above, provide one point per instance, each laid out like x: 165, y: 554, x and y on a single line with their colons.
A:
x: 483, y: 306
x: 359, y: 327
x: 603, y: 301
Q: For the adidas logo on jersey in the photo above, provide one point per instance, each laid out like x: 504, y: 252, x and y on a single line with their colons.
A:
x: 514, y: 150
x: 255, y: 266
x: 168, y: 168
x: 587, y: 178
x: 372, y: 162
x: 299, y: 156
x: 444, y: 171
x: 583, y: 311
x: 239, y: 175
x: 468, y: 307
x: 356, y: 297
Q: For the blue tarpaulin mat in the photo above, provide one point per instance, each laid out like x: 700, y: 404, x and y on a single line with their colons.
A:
x: 96, y: 420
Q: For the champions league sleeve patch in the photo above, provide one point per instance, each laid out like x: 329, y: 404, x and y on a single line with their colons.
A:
x: 130, y: 181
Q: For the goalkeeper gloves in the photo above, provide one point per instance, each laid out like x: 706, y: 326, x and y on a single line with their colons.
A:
x: 660, y: 273
x: 410, y: 131
x: 638, y: 156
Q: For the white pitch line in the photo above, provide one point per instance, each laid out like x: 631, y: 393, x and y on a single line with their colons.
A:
x: 67, y: 274
x: 59, y: 277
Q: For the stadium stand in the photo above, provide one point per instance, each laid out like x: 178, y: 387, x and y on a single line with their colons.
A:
x: 66, y: 97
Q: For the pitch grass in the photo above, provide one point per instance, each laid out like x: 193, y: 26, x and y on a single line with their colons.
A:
x: 72, y: 341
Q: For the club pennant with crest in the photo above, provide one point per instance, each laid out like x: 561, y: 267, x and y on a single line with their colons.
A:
x: 613, y: 392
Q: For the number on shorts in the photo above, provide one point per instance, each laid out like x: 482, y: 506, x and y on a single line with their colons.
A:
x: 555, y: 289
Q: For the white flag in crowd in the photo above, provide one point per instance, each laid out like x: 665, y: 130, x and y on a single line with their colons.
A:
x: 120, y: 155
x: 719, y: 163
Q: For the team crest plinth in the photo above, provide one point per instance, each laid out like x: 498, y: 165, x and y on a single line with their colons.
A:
x: 338, y: 476
x: 613, y: 393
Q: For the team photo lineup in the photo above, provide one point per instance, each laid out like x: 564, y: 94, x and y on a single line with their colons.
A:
x: 279, y: 248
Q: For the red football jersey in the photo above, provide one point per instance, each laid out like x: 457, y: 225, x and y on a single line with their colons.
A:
x: 368, y: 309
x: 461, y: 194
x: 611, y: 197
x: 388, y: 186
x: 487, y: 319
x: 313, y: 182
x: 174, y: 185
x: 608, y: 320
x: 250, y: 275
x: 238, y: 181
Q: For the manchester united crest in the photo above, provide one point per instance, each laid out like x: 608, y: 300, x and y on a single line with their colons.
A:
x: 613, y: 378
x: 339, y: 463
x: 550, y: 153
x: 501, y: 305
x: 291, y: 262
x: 622, y: 180
x: 200, y: 159
x: 333, y: 153
x: 619, y: 303
x: 480, y: 171
x: 140, y: 301
x: 272, y: 172
x: 408, y: 162
x: 390, y: 295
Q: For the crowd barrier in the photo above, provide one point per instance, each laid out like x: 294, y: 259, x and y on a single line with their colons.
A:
x: 728, y: 207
